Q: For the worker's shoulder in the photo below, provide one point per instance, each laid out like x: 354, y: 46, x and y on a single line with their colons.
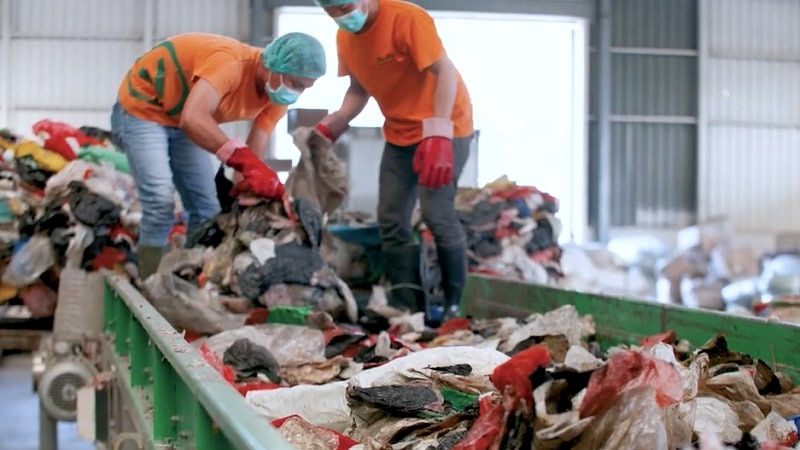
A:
x: 403, y: 8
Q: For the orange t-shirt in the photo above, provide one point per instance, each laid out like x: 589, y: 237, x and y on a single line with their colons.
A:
x: 389, y: 59
x: 158, y: 83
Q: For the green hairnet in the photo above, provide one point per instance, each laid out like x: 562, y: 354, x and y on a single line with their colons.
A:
x: 327, y: 3
x: 295, y: 54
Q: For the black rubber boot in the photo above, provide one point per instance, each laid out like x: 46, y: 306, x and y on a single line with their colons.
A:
x: 402, y: 271
x: 453, y: 264
x: 149, y: 258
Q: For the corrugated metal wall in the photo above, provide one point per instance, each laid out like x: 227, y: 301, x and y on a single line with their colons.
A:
x: 64, y: 59
x: 653, y: 113
x: 750, y: 113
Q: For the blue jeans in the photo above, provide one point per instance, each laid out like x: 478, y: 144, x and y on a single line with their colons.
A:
x: 161, y: 160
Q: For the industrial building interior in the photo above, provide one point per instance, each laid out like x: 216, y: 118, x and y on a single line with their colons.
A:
x: 667, y: 131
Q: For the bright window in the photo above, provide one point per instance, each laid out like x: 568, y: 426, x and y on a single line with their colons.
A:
x: 526, y: 76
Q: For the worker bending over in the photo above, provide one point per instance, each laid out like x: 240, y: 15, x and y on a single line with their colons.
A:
x: 167, y: 116
x: 391, y: 51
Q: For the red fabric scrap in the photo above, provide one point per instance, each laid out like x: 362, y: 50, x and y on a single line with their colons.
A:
x: 108, y: 258
x: 513, y: 192
x: 453, y: 325
x: 501, y: 233
x: 344, y: 442
x: 257, y: 316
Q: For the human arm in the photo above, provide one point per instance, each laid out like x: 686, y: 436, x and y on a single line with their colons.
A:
x: 355, y: 100
x: 433, y: 158
x: 197, y: 119
x: 444, y: 94
x: 198, y: 122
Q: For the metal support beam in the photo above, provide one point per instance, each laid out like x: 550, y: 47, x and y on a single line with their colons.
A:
x: 602, y: 221
x: 5, y: 62
x: 261, y: 24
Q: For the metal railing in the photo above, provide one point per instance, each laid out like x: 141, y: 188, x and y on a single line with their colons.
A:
x: 180, y: 399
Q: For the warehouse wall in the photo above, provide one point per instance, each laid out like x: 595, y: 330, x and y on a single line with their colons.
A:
x: 65, y: 59
x: 750, y: 113
x: 653, y: 114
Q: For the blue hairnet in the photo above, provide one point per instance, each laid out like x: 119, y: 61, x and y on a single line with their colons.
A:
x: 327, y: 3
x: 295, y: 54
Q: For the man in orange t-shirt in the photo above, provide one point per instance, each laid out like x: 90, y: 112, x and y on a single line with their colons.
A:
x: 167, y: 117
x: 391, y: 51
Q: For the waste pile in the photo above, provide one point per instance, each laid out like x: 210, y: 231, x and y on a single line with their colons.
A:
x: 260, y: 260
x: 538, y: 383
x: 713, y: 270
x: 512, y: 232
x: 68, y: 204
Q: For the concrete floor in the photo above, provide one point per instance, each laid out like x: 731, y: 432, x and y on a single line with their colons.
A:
x: 19, y: 410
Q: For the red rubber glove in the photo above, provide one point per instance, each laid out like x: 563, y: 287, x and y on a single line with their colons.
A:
x: 433, y: 160
x: 321, y: 137
x: 258, y: 178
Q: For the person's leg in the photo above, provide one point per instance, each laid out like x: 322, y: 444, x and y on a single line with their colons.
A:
x: 194, y: 170
x: 146, y: 146
x: 439, y: 214
x: 397, y: 195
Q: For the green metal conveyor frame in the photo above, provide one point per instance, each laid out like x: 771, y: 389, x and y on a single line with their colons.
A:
x: 625, y: 321
x: 175, y: 398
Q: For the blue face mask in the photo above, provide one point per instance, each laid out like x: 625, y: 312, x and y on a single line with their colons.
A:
x: 353, y: 21
x: 283, y: 95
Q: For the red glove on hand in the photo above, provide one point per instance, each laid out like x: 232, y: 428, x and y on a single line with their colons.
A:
x: 321, y: 137
x: 433, y: 160
x: 258, y: 180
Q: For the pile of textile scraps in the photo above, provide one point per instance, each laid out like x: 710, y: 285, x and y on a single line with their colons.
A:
x: 539, y: 383
x: 512, y: 231
x: 69, y: 204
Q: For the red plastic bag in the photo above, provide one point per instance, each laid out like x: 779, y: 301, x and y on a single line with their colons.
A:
x: 513, y: 380
x: 628, y: 370
x: 244, y: 388
x: 667, y: 337
x: 216, y: 362
x: 62, y: 138
x: 487, y: 429
x: 514, y: 374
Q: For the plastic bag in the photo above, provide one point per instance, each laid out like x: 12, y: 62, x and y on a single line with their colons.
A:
x: 290, y: 345
x: 717, y: 416
x: 632, y: 422
x: 628, y: 370
x: 324, y: 405
x: 301, y: 434
x: 187, y: 307
x: 776, y: 429
x: 30, y: 262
